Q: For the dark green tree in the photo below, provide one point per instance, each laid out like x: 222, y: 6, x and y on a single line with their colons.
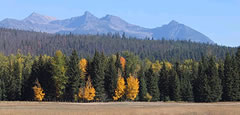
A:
x: 201, y: 86
x: 164, y: 83
x: 44, y: 74
x: 73, y: 74
x: 214, y: 81
x: 142, y: 86
x: 111, y: 77
x: 152, y: 84
x: 228, y: 80
x: 174, y: 86
x: 97, y: 75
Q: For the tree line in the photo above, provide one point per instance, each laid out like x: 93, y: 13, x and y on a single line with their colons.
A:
x: 38, y: 43
x: 118, y: 77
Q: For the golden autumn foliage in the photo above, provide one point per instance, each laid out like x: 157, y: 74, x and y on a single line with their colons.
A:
x: 120, y: 90
x: 132, y: 87
x: 88, y: 92
x: 168, y: 65
x: 83, y: 65
x: 123, y: 62
x: 38, y: 92
x: 156, y: 67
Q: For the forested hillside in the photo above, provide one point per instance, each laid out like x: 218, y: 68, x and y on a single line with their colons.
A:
x: 48, y: 67
x: 118, y: 77
x: 37, y: 43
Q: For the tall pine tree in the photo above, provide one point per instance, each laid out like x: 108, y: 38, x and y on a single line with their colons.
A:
x: 73, y: 74
x: 97, y: 75
x: 164, y: 83
x: 152, y: 84
x: 174, y: 86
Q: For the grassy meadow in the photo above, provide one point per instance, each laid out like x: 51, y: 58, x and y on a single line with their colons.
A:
x: 118, y: 108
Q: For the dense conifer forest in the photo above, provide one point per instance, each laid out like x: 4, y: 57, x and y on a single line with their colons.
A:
x: 37, y: 43
x: 86, y: 68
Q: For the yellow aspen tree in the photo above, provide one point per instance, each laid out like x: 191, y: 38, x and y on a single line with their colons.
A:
x: 87, y: 93
x: 38, y: 92
x: 132, y: 87
x: 83, y: 71
x: 120, y: 90
x: 123, y: 62
x: 83, y: 65
x: 156, y: 66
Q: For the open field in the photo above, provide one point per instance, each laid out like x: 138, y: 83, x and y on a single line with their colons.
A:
x: 118, y: 108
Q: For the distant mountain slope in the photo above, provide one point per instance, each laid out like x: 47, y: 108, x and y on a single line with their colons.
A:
x: 175, y: 30
x: 90, y: 24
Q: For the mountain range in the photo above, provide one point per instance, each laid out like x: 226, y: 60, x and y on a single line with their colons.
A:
x: 90, y: 24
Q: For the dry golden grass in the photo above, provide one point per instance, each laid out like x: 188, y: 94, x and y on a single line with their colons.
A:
x: 119, y: 108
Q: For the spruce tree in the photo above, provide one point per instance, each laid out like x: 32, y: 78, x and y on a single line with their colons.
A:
x: 228, y: 80
x: 45, y: 76
x: 174, y: 86
x: 11, y: 81
x: 73, y: 74
x: 236, y: 80
x: 97, y: 75
x: 214, y: 81
x: 201, y: 86
x: 186, y: 90
x: 163, y: 83
x: 142, y: 86
x: 152, y: 84
x: 17, y: 74
x: 111, y: 77
x: 28, y: 94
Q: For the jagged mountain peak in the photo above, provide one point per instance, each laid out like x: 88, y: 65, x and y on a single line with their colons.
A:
x: 88, y: 14
x: 90, y: 24
x: 38, y: 18
x: 173, y: 22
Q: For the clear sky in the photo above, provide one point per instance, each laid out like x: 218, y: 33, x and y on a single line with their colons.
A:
x: 218, y: 19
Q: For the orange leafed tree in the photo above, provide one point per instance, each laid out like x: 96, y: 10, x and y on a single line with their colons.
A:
x: 123, y: 62
x: 120, y: 90
x: 38, y: 92
x: 87, y: 93
x: 132, y: 87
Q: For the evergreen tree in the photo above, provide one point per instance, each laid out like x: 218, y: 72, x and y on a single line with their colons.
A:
x: 214, y: 81
x: 201, y: 86
x: 45, y: 76
x: 11, y: 81
x: 174, y: 86
x: 59, y: 73
x: 228, y: 80
x: 142, y: 86
x: 28, y: 93
x: 237, y: 69
x: 73, y: 74
x: 27, y: 68
x: 111, y: 77
x: 97, y: 74
x: 164, y: 83
x: 186, y: 89
x: 236, y: 80
x: 17, y: 74
x: 152, y: 84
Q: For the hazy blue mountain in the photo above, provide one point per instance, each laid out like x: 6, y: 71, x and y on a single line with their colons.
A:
x: 90, y: 24
x: 177, y: 31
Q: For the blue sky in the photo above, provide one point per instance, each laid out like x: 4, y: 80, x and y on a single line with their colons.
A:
x: 218, y: 19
